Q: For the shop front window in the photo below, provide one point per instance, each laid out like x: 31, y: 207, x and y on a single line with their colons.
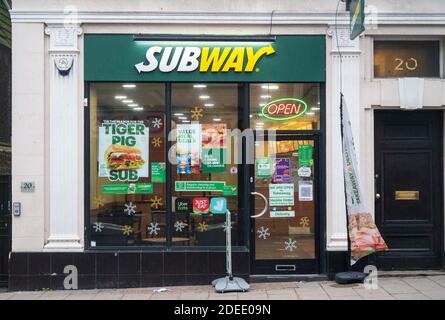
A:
x: 203, y: 115
x: 127, y: 164
x: 285, y: 106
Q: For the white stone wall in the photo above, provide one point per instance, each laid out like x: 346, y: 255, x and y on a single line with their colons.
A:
x: 32, y: 93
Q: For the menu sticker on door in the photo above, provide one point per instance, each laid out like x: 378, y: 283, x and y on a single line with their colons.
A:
x: 282, y: 167
x: 281, y: 194
x: 188, y: 148
x: 158, y: 172
x: 182, y: 205
x: 305, y: 191
x: 201, y: 205
x: 305, y: 155
x: 263, y: 168
x: 123, y: 150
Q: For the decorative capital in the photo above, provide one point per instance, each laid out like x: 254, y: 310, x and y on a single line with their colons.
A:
x: 341, y: 39
x: 63, y: 37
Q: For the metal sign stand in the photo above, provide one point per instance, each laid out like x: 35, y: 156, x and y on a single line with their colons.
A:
x: 230, y: 283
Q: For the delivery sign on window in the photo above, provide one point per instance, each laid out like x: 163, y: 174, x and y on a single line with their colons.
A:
x: 123, y: 150
x: 201, y: 205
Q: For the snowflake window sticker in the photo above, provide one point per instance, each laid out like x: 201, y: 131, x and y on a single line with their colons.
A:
x: 202, y: 226
x: 153, y: 228
x: 290, y: 245
x: 157, y: 123
x: 127, y: 230
x: 130, y: 209
x: 197, y: 113
x: 156, y: 202
x: 304, y: 222
x: 99, y: 201
x: 156, y: 142
x: 98, y: 226
x: 263, y: 233
x: 179, y: 226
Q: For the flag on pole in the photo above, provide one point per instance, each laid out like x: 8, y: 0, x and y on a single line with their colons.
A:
x: 364, y: 236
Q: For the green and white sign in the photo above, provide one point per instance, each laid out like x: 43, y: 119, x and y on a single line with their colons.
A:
x: 357, y: 18
x: 158, y: 172
x: 118, y: 57
x: 213, y: 160
x: 128, y: 188
x: 282, y: 214
x: 281, y: 194
x: 230, y: 190
x: 199, y: 185
x: 263, y: 167
x: 305, y: 155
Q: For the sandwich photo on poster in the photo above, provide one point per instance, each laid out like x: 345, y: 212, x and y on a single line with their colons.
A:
x: 123, y: 150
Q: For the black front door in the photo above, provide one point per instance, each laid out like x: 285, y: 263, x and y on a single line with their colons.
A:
x: 409, y: 193
x: 5, y: 227
x: 284, y: 178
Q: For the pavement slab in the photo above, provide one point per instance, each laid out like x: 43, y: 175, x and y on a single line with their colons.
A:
x: 422, y: 284
x: 388, y: 288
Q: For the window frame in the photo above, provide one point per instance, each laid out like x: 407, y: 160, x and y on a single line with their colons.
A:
x: 243, y: 180
x: 408, y: 38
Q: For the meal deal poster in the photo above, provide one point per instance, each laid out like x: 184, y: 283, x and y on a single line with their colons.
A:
x: 188, y: 148
x: 282, y: 168
x: 214, y: 148
x: 123, y: 150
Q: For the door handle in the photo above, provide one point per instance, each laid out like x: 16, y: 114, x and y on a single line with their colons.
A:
x: 377, y: 196
x: 266, y: 204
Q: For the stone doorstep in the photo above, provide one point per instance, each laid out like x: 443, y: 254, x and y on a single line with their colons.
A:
x: 410, y: 273
x: 287, y: 278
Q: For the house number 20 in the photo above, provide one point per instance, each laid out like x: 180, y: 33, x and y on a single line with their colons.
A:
x: 410, y: 64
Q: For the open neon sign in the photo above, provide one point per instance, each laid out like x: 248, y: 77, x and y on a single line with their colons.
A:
x: 284, y: 109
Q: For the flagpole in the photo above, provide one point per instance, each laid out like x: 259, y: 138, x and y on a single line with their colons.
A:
x: 348, y: 258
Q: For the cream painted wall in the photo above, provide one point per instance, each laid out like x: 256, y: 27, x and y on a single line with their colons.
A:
x: 28, y: 134
x: 225, y: 5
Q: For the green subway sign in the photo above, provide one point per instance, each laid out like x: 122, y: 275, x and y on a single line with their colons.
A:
x: 116, y: 57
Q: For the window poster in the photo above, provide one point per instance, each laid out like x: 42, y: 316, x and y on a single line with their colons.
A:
x: 281, y: 194
x: 305, y: 191
x: 214, y: 147
x: 282, y: 173
x: 123, y: 150
x: 188, y: 148
x: 305, y: 155
x: 263, y: 168
x: 158, y: 172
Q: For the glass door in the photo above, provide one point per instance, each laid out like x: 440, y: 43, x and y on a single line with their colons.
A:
x: 284, y: 182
